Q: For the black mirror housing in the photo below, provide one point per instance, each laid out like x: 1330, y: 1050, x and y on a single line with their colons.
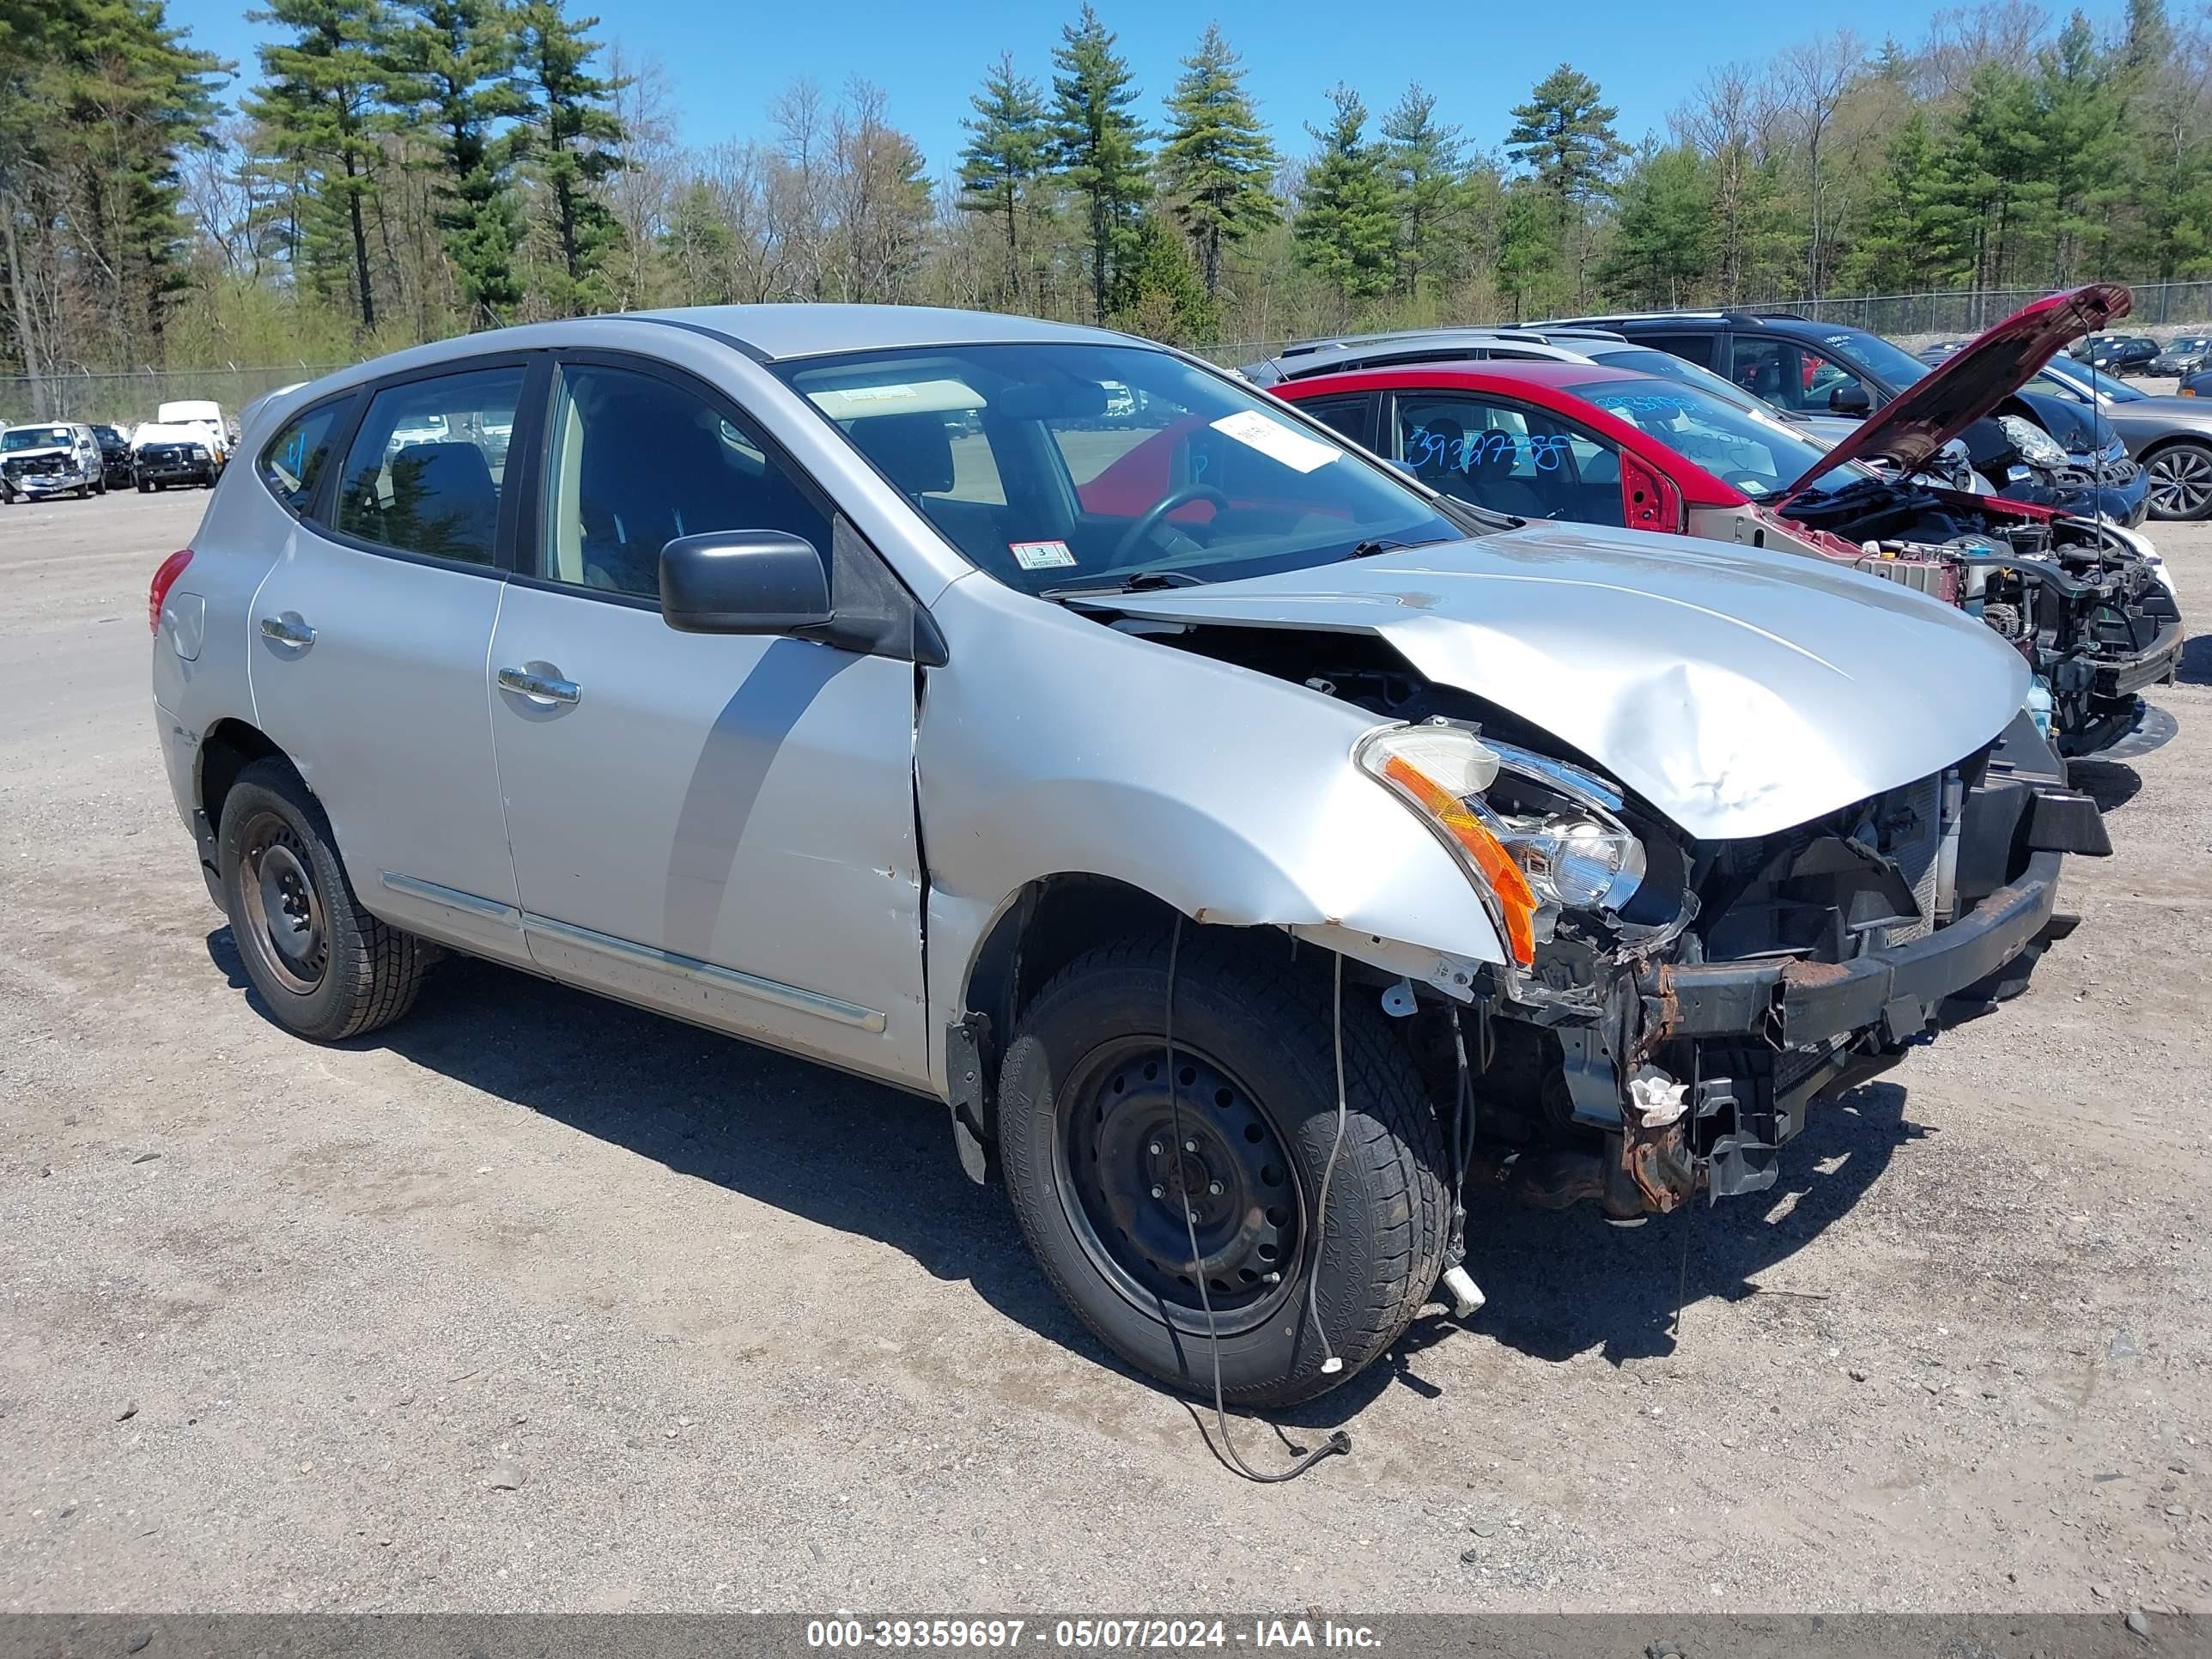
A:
x: 1850, y: 398
x: 743, y: 581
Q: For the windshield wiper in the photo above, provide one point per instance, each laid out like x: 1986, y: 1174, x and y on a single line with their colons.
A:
x: 1138, y: 581
x: 1368, y: 549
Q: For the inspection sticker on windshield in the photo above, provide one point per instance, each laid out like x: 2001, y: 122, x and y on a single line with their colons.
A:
x: 1041, y: 555
x: 1275, y: 440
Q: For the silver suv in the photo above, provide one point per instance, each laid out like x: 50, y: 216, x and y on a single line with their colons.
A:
x: 1242, y: 841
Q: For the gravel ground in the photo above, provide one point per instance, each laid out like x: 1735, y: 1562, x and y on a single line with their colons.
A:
x: 535, y: 1302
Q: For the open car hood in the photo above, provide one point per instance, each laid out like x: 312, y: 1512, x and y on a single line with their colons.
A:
x: 1739, y: 691
x: 1973, y: 380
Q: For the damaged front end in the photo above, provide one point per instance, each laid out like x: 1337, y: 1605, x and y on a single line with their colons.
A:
x: 1671, y: 1060
x: 2094, y: 620
x: 1671, y: 1003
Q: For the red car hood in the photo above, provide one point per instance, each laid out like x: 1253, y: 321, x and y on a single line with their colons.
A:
x: 1973, y: 380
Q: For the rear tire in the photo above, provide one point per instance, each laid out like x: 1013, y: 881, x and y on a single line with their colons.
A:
x: 327, y: 969
x: 1084, y: 1100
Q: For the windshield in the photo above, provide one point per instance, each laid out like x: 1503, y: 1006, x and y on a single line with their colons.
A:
x: 35, y: 437
x: 1645, y: 359
x: 2113, y: 391
x: 1758, y: 455
x: 1894, y: 365
x: 1070, y: 465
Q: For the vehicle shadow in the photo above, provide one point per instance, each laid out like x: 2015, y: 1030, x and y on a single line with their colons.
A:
x: 877, y: 1162
x: 2110, y: 784
x: 2195, y: 667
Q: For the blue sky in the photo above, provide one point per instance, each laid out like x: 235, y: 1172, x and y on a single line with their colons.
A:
x: 726, y: 61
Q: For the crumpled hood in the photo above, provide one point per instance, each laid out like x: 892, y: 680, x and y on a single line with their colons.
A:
x: 1974, y: 380
x: 1738, y: 691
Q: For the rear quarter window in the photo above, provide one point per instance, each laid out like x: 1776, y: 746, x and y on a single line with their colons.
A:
x: 295, y: 456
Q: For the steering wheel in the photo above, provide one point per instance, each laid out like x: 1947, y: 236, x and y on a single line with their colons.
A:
x: 1159, y: 510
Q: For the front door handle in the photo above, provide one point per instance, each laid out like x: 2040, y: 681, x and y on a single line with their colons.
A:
x: 539, y: 688
x: 287, y: 629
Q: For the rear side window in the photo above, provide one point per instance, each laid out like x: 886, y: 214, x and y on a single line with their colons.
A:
x: 424, y: 471
x: 294, y: 458
x: 1690, y: 347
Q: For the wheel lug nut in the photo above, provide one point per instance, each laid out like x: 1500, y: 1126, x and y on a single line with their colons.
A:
x: 1190, y: 1145
x: 1214, y: 1188
x: 1155, y: 1149
x: 1159, y: 1192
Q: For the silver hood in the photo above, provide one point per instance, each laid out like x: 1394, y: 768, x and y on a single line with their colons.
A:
x: 1738, y: 691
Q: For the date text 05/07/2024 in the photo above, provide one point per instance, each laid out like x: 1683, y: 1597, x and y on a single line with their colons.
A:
x: 1088, y: 1634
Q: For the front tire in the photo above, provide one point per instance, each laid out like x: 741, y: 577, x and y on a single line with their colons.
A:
x: 2180, y: 481
x: 1086, y: 1132
x: 327, y: 969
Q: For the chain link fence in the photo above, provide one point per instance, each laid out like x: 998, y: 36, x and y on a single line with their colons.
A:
x: 1958, y: 311
x: 128, y: 397
x: 1917, y: 318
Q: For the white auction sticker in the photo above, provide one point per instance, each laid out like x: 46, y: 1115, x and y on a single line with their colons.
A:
x: 1275, y: 440
x: 1042, y: 555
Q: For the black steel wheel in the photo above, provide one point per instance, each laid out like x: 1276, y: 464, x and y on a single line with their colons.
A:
x: 1132, y: 1159
x: 2180, y: 481
x: 1099, y: 1169
x: 325, y: 966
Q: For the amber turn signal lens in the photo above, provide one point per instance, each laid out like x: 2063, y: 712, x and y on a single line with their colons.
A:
x: 1515, y: 897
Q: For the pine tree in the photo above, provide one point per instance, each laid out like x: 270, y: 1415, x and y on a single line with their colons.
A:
x: 319, y: 107
x: 1098, y: 143
x: 1662, y: 234
x: 1564, y: 135
x: 1157, y: 291
x: 1346, y: 232
x: 1528, y: 245
x: 2080, y: 120
x: 1427, y: 166
x: 455, y: 68
x: 1003, y: 163
x: 575, y: 143
x: 1216, y: 160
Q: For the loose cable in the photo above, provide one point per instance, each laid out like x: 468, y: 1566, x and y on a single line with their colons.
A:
x: 1338, y: 1441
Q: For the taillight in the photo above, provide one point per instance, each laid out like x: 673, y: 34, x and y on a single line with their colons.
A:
x: 164, y: 580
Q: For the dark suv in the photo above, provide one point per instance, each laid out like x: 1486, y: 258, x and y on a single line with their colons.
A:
x: 114, y: 456
x: 1801, y: 366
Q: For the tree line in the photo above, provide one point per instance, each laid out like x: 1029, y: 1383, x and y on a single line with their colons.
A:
x: 395, y: 170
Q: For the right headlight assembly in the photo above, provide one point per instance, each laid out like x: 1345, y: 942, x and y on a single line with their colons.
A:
x: 1560, y: 848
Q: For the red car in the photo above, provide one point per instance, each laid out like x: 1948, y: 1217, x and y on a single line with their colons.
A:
x: 1598, y: 444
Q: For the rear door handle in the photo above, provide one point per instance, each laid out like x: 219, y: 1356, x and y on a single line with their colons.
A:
x: 539, y: 688
x: 287, y: 629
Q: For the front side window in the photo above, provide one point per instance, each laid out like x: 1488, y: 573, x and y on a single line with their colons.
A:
x: 294, y: 458
x: 639, y: 461
x: 1508, y: 457
x: 1070, y: 465
x: 423, y: 472
x: 1788, y: 375
x: 1871, y: 356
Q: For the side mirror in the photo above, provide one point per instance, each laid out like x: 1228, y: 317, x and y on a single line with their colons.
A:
x: 743, y: 581
x: 1850, y: 399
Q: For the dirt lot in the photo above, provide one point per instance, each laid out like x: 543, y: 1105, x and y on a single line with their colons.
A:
x: 275, y: 1314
